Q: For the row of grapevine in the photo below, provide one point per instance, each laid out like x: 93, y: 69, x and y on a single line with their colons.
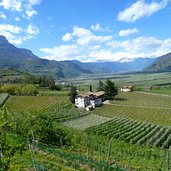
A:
x: 153, y: 115
x: 134, y: 132
x: 33, y: 103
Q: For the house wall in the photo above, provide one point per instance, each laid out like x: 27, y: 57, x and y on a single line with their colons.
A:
x: 96, y: 102
x: 125, y: 90
x: 82, y: 102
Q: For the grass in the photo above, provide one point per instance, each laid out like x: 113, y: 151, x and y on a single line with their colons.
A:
x: 86, y: 121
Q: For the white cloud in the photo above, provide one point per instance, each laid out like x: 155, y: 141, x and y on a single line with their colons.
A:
x: 63, y: 52
x: 128, y: 32
x: 67, y: 37
x: 32, y: 30
x: 10, y: 28
x: 17, y: 19
x: 13, y: 5
x: 18, y: 35
x: 24, y: 6
x: 3, y: 16
x: 30, y: 12
x: 141, y: 9
x: 148, y: 45
x: 97, y: 27
x: 34, y: 2
x: 164, y: 48
x: 143, y: 44
x: 85, y: 46
x: 85, y: 36
x: 109, y: 55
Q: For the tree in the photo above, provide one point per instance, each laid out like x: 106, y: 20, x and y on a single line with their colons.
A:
x: 90, y: 88
x: 100, y: 86
x: 29, y: 90
x: 110, y: 89
x: 6, y: 150
x: 72, y: 93
x: 46, y: 130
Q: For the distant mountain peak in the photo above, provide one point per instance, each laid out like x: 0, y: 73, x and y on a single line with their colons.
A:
x: 3, y: 40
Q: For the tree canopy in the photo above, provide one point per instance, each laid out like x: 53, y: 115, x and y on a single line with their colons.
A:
x: 100, y: 86
x: 110, y: 89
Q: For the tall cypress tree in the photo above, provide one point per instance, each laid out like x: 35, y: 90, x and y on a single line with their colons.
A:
x: 100, y: 86
x: 90, y: 88
x: 110, y: 89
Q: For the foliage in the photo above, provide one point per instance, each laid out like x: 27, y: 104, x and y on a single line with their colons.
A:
x: 19, y: 90
x: 110, y: 89
x: 134, y: 132
x: 100, y: 86
x: 29, y: 90
x: 46, y: 131
x: 7, y: 151
x: 90, y: 89
x: 72, y: 93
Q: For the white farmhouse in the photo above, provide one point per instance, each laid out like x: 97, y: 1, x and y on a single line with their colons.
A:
x: 89, y: 100
x: 127, y: 88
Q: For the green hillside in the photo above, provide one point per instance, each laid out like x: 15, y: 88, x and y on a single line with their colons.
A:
x: 162, y: 64
x: 9, y: 72
x: 25, y: 60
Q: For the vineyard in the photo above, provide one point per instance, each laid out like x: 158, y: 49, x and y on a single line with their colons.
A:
x: 143, y: 107
x: 33, y: 103
x: 134, y: 132
x: 143, y: 100
x: 131, y: 132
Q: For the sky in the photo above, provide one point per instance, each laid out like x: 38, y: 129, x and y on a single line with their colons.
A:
x: 88, y: 30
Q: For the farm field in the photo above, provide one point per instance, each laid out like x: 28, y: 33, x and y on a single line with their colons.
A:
x: 140, y: 79
x: 135, y: 132
x: 142, y: 107
x: 132, y: 132
x: 33, y: 103
x: 136, y: 99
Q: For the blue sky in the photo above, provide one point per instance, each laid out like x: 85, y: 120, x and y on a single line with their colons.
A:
x: 88, y: 30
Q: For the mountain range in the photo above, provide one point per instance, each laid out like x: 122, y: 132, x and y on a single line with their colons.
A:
x: 161, y: 64
x: 25, y: 60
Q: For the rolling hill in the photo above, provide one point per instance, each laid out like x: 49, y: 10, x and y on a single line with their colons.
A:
x: 161, y: 64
